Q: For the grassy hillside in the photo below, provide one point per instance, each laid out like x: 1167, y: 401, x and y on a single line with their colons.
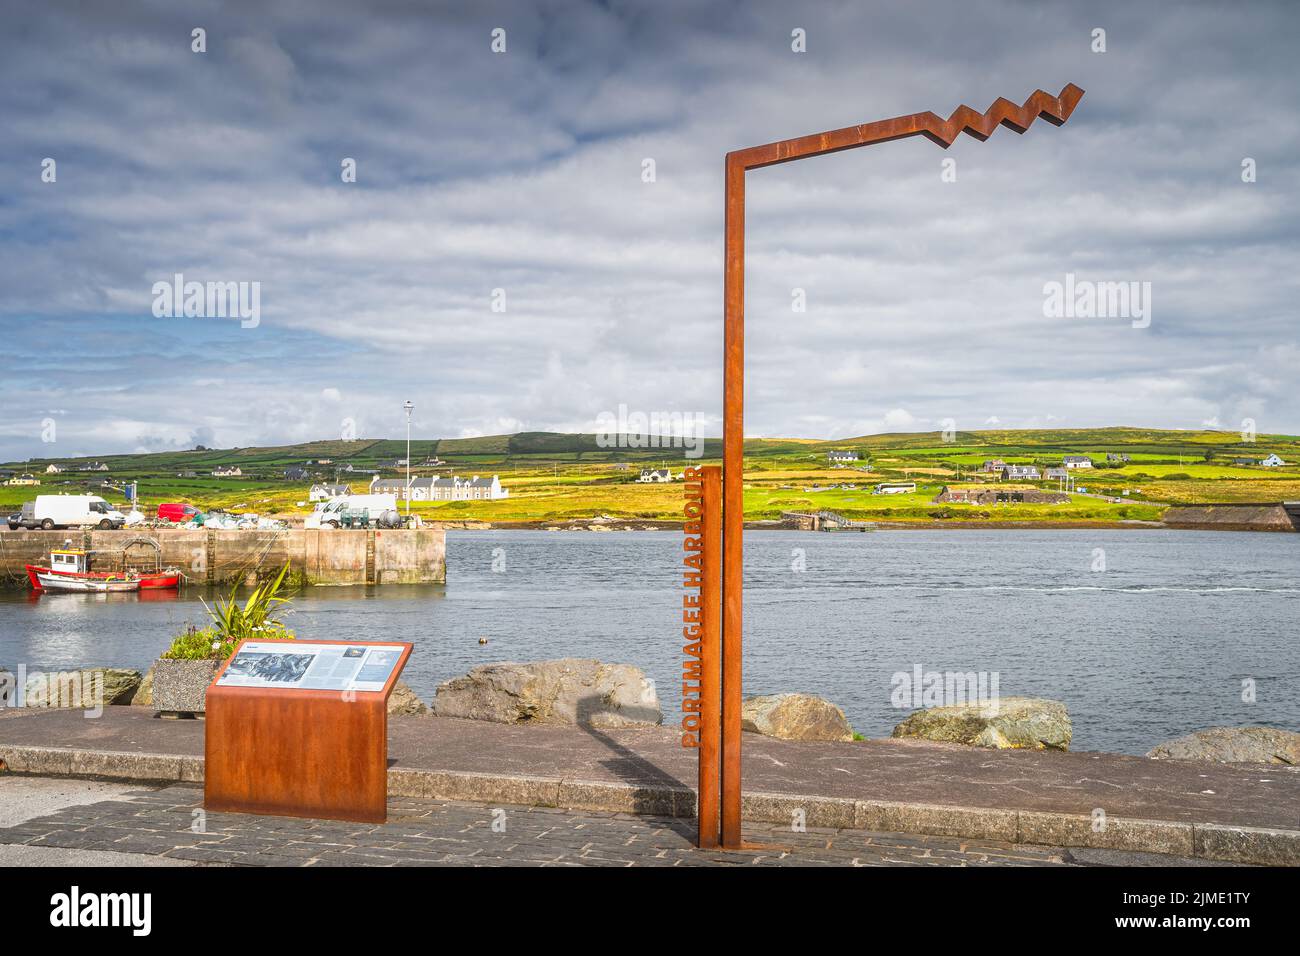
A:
x: 554, y: 475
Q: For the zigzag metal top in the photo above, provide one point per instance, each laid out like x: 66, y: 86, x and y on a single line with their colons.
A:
x: 1055, y: 109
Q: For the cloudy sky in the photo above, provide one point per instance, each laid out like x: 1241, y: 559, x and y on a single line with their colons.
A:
x: 525, y: 171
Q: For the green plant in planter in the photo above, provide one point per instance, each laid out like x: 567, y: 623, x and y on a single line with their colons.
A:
x: 255, y: 619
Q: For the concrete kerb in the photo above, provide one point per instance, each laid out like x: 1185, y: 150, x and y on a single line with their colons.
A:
x: 1210, y: 841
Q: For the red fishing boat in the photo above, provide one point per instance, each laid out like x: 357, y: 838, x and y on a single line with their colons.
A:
x: 69, y: 570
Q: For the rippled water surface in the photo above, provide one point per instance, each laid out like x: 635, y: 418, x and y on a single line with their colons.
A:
x: 1156, y: 645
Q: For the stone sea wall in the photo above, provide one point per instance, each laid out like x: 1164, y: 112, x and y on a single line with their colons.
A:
x: 402, y: 556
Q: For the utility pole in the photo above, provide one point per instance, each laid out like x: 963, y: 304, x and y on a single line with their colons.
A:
x: 409, y: 408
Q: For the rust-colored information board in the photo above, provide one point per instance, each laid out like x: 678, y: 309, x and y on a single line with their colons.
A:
x: 300, y: 728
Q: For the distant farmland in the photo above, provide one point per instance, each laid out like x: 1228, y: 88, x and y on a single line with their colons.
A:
x: 553, y: 476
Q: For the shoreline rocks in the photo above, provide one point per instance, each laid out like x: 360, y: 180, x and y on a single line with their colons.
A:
x: 1266, y: 745
x: 404, y: 701
x: 1032, y: 723
x: 794, y: 717
x: 574, y: 691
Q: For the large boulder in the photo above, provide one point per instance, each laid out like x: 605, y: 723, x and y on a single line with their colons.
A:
x: 88, y: 687
x: 144, y: 693
x: 1031, y: 723
x: 403, y: 700
x: 794, y: 717
x: 569, y: 691
x: 1233, y: 745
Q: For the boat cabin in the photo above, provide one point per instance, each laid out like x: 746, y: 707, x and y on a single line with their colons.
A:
x: 69, y: 561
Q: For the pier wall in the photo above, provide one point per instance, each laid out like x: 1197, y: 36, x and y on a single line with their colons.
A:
x: 1231, y: 517
x: 404, y: 556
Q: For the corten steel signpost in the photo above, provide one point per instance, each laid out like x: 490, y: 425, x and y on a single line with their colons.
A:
x: 1056, y: 110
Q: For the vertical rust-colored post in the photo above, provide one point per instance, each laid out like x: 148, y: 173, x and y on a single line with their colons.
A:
x: 733, y: 496
x: 710, y: 770
x: 1055, y: 109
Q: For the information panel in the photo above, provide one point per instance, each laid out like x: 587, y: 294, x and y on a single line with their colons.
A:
x: 302, y: 665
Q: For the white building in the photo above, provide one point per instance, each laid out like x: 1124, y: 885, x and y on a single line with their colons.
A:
x: 326, y: 492
x: 231, y: 472
x: 1076, y: 461
x: 52, y: 469
x: 836, y: 457
x: 1021, y: 473
x: 655, y: 475
x: 442, y: 489
x: 1272, y: 461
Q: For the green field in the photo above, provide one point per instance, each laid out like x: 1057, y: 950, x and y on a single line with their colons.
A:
x: 555, y: 476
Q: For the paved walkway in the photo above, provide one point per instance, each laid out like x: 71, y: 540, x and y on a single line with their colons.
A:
x: 167, y: 826
x: 1245, y: 813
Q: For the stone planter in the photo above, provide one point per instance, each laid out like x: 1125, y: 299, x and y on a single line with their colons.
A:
x: 181, y: 687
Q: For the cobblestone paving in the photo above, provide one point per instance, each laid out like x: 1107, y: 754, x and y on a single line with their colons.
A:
x: 435, y: 833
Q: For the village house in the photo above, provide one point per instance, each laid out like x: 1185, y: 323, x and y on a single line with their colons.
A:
x: 836, y: 457
x: 1117, y: 456
x: 187, y: 474
x: 229, y: 471
x: 442, y: 489
x: 1076, y: 461
x: 53, y: 469
x: 94, y: 466
x: 296, y: 474
x: 1058, y: 472
x: 1272, y: 461
x: 1245, y: 461
x: 1020, y: 473
x: 23, y: 480
x: 326, y: 492
x: 993, y: 465
x: 655, y: 475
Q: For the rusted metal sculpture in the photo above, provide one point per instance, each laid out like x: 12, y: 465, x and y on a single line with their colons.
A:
x: 1055, y: 109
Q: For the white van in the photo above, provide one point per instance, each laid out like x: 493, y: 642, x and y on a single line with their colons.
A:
x: 71, y: 511
x: 326, y: 513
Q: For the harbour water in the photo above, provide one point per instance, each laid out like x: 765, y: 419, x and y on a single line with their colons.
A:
x: 1144, y: 634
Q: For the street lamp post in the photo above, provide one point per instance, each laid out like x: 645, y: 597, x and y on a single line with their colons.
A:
x: 409, y: 407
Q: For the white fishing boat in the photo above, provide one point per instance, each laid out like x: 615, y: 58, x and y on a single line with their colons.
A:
x: 63, y: 582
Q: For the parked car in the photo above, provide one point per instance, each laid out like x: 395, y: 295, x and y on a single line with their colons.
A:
x: 176, y: 511
x: 71, y: 511
x: 15, y: 521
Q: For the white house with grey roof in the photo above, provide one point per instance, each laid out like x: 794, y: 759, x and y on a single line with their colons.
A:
x: 442, y: 489
x: 326, y: 492
x: 1020, y: 472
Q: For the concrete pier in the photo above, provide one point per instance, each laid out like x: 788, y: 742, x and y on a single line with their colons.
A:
x: 372, y: 556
